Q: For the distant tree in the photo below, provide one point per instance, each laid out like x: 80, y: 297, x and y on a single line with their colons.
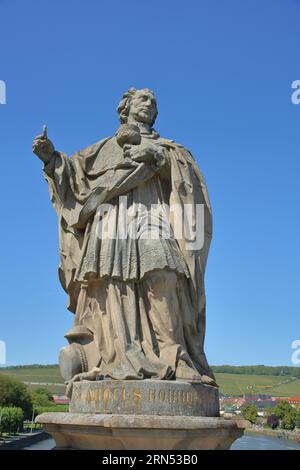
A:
x: 41, y: 397
x: 259, y: 370
x: 43, y: 391
x: 282, y: 409
x: 248, y: 370
x: 15, y: 393
x: 273, y: 421
x: 297, y: 418
x: 268, y: 411
x: 249, y: 412
x: 288, y: 421
x: 31, y: 366
x: 11, y: 419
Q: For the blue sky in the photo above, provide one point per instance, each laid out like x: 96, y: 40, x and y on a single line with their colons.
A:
x: 222, y: 73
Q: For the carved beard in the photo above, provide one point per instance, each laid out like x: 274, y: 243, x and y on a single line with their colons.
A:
x: 144, y: 116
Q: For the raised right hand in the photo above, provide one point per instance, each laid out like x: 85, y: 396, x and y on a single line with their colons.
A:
x: 43, y: 147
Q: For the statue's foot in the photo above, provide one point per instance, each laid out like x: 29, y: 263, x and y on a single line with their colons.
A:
x: 185, y: 372
x: 205, y: 379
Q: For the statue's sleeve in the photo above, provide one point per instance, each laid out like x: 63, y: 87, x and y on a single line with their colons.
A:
x: 76, y: 188
x: 69, y: 181
x: 60, y: 175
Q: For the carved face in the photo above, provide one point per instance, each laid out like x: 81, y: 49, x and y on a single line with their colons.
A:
x: 143, y: 107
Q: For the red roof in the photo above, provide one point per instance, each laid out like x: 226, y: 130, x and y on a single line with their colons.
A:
x: 294, y: 400
x: 60, y: 400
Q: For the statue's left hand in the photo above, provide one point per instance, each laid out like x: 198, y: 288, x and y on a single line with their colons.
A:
x: 141, y: 153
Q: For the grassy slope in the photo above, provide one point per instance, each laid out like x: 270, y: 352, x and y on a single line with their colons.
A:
x: 236, y: 384
x: 35, y: 374
x: 230, y: 384
x: 50, y: 375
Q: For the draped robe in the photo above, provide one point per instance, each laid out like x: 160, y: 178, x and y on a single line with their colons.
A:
x: 144, y: 300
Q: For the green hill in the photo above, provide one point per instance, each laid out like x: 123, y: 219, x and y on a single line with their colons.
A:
x: 277, y: 386
x: 36, y: 376
x: 233, y: 380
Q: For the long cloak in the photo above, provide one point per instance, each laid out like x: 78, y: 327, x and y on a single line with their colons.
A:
x: 80, y: 184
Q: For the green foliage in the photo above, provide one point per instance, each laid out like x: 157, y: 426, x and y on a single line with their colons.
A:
x: 11, y: 419
x: 289, y: 416
x: 43, y: 391
x: 32, y: 366
x: 239, y: 384
x: 282, y: 409
x: 288, y: 421
x: 41, y: 397
x: 258, y: 370
x: 268, y: 411
x: 14, y: 393
x: 37, y: 374
x: 233, y: 380
x: 297, y: 418
x: 248, y: 370
x: 249, y: 412
x: 50, y: 409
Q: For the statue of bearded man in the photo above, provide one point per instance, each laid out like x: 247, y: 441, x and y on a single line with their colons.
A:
x: 138, y: 294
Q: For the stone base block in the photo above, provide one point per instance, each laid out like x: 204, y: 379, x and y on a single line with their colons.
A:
x: 132, y: 432
x: 145, y: 397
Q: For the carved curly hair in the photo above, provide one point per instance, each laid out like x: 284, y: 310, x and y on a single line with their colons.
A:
x: 124, y: 105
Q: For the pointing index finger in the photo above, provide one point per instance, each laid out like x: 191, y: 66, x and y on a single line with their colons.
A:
x: 44, y: 134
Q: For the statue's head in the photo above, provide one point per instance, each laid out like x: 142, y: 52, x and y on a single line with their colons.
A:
x: 138, y: 105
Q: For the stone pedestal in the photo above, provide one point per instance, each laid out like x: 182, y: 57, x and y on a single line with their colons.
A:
x: 142, y: 415
x: 130, y: 432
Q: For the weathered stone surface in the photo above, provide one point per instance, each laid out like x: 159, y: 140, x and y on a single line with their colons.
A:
x: 138, y: 293
x: 135, y: 364
x: 145, y: 397
x: 120, y: 432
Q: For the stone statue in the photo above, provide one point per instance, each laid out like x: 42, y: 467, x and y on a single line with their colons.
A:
x: 138, y: 300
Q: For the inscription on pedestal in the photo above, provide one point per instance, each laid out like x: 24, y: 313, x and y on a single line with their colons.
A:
x: 147, y: 397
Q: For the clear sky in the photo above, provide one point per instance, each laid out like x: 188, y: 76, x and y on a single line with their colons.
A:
x: 222, y: 72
